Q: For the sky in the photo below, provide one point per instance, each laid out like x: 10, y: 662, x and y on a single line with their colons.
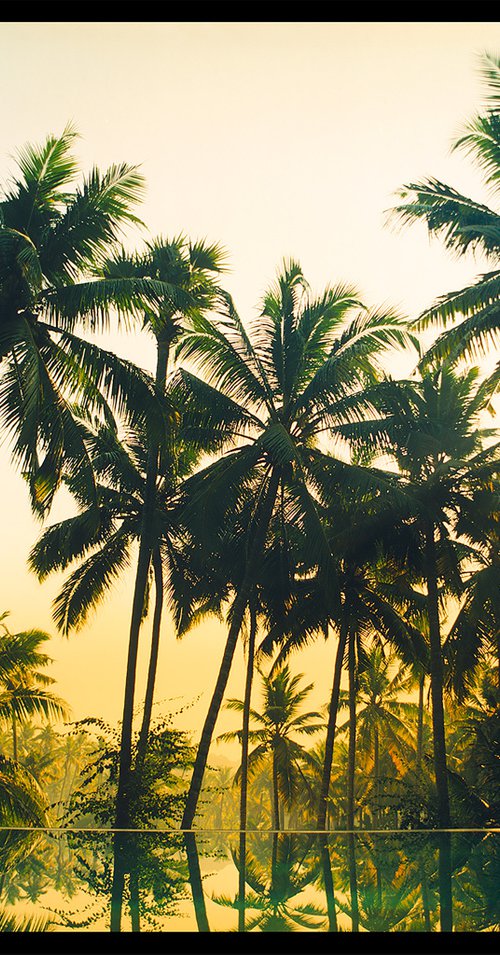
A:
x: 277, y: 140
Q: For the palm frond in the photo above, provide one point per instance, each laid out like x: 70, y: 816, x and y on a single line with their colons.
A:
x: 88, y: 584
x: 459, y: 221
x: 21, y: 799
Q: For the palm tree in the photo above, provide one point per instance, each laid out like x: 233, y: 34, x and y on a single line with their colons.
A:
x: 52, y: 241
x: 382, y: 718
x: 190, y: 268
x: 22, y: 801
x: 367, y: 604
x: 23, y: 685
x: 277, y: 724
x: 432, y: 430
x: 270, y: 395
x: 273, y: 888
x: 465, y: 225
x: 100, y: 538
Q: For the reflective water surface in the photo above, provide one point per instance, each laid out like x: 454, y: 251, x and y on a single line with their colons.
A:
x: 259, y: 881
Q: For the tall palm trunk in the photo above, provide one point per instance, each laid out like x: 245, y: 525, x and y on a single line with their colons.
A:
x: 332, y: 720
x: 244, y: 770
x: 153, y: 661
x: 351, y: 758
x: 146, y: 542
x: 420, y: 724
x: 275, y: 796
x: 376, y: 775
x: 246, y: 720
x: 440, y: 768
x: 238, y: 613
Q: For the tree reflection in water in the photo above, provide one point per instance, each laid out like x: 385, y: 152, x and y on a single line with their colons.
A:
x: 351, y: 882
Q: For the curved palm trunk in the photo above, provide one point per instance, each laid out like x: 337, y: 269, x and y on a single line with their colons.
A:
x: 330, y: 733
x: 122, y: 818
x: 153, y: 661
x: 351, y: 758
x: 238, y: 613
x: 440, y: 767
x: 244, y: 771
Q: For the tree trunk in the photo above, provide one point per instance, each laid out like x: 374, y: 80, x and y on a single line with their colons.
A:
x: 246, y: 720
x: 353, y: 882
x: 153, y: 662
x: 440, y: 767
x: 326, y: 866
x: 420, y: 724
x: 135, y: 914
x: 196, y: 882
x: 351, y: 758
x: 146, y: 541
x: 120, y: 864
x: 238, y: 613
x: 330, y: 733
x: 444, y: 876
x: 275, y: 798
x: 244, y: 770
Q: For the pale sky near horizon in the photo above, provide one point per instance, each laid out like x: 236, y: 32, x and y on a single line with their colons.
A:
x: 276, y: 139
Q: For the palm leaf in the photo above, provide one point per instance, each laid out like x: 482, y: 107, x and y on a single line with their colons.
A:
x: 87, y: 585
x: 21, y: 799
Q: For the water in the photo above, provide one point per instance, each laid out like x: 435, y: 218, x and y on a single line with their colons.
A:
x: 158, y: 881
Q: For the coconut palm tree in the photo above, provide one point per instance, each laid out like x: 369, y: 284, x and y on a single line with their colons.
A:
x: 52, y: 240
x: 23, y: 685
x: 276, y: 726
x: 190, y: 268
x: 367, y: 605
x: 270, y: 395
x: 433, y: 431
x: 273, y: 888
x: 100, y: 538
x: 465, y: 225
x: 382, y: 717
x: 22, y: 801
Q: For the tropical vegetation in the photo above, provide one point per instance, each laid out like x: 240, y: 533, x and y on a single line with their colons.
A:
x: 272, y: 473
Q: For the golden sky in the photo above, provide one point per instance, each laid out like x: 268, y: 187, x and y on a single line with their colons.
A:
x: 276, y: 139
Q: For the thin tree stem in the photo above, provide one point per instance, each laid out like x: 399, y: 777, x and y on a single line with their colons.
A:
x: 153, y: 661
x: 244, y: 769
x: 438, y: 726
x: 351, y: 760
x: 332, y: 720
x: 122, y: 818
